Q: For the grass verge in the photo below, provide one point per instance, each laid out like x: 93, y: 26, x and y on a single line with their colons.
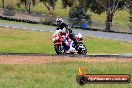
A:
x: 53, y: 75
x: 29, y: 41
x: 14, y: 22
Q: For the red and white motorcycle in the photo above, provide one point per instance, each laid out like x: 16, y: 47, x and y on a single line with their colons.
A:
x: 60, y: 46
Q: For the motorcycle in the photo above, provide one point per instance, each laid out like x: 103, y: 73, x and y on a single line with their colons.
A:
x: 74, y: 47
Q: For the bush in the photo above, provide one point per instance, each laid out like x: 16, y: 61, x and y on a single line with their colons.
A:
x: 9, y: 7
x: 79, y: 15
x: 9, y: 12
x: 79, y: 12
x: 48, y: 20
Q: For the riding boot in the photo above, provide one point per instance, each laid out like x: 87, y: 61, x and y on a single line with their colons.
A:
x: 76, y: 45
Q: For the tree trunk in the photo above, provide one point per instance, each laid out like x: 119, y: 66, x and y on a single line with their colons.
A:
x: 109, y: 22
x: 3, y: 2
x: 48, y: 7
x: 29, y: 8
x: 51, y: 12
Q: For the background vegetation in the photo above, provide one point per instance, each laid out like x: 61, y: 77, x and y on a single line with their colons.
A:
x: 121, y: 17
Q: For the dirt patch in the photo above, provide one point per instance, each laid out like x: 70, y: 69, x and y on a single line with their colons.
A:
x: 12, y: 59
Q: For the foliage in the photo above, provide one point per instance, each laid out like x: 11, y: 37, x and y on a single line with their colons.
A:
x: 78, y: 12
x: 9, y: 5
x: 100, y: 6
x: 50, y: 4
x: 27, y: 4
x: 108, y: 6
x: 129, y: 5
x: 70, y: 3
x: 3, y: 2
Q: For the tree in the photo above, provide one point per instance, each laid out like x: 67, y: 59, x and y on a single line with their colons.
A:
x: 78, y: 10
x: 100, y: 6
x: 27, y: 4
x: 110, y: 7
x: 3, y: 3
x: 129, y: 5
x: 49, y: 4
x: 69, y: 3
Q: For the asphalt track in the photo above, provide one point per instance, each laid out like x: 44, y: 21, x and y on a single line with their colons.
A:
x: 126, y: 55
x: 115, y: 36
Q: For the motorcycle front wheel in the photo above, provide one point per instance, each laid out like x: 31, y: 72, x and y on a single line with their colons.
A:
x: 58, y: 49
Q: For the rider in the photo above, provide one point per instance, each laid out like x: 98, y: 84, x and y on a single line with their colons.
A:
x: 64, y: 29
x: 62, y: 26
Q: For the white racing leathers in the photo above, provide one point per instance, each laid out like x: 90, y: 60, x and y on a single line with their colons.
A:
x: 71, y: 48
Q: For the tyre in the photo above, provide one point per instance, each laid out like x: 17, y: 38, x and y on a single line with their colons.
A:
x: 82, y: 49
x: 58, y: 49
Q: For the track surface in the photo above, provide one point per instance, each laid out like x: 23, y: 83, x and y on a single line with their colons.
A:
x: 16, y: 59
x: 39, y: 58
x: 115, y: 36
x: 126, y: 55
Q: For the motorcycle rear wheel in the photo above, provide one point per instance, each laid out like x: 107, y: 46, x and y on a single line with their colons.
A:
x: 80, y: 51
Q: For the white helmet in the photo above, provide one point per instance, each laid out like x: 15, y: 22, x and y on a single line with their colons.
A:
x: 59, y: 20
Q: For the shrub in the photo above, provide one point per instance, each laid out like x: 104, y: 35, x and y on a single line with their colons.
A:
x: 79, y: 12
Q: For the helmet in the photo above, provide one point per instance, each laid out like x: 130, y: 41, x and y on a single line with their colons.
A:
x: 59, y: 20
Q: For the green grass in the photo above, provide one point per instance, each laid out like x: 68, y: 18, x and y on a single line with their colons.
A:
x: 53, y: 75
x: 23, y: 23
x: 25, y: 41
x: 97, y: 45
x: 29, y: 41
